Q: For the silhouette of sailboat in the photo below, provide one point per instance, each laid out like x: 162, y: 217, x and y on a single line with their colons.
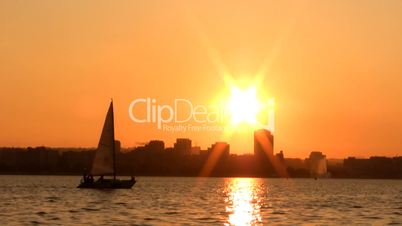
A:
x: 104, y: 163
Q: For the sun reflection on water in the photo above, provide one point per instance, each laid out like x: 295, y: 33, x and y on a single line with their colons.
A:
x: 243, y: 204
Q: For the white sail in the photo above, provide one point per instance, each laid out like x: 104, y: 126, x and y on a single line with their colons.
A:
x: 103, y: 163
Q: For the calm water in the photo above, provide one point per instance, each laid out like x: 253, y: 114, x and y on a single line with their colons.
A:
x: 54, y: 200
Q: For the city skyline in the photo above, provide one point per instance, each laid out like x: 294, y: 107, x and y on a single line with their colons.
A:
x: 154, y: 159
x: 263, y: 145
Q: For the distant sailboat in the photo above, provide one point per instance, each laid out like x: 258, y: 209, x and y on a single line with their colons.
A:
x: 104, y: 163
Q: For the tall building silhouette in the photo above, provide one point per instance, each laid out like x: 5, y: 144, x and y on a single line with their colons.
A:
x: 222, y: 148
x: 155, y: 146
x: 263, y: 144
x: 182, y: 146
x: 317, y: 164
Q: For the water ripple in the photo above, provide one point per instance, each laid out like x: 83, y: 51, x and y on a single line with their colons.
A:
x: 193, y: 201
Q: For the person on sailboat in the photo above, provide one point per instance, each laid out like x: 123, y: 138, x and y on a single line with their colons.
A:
x: 104, y: 162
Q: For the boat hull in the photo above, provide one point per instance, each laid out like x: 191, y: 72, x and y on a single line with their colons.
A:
x: 108, y: 184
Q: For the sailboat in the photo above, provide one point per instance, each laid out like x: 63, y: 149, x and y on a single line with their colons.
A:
x: 104, y: 163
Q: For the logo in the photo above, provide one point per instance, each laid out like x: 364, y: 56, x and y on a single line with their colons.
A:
x: 182, y: 115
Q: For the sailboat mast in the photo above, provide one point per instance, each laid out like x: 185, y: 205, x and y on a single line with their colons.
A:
x: 113, y: 143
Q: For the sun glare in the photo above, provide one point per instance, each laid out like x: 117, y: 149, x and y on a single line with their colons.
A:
x: 243, y: 106
x: 243, y: 204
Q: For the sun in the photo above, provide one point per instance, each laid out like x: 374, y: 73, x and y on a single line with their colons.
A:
x: 243, y: 106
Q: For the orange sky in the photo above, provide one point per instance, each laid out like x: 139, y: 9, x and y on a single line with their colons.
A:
x: 333, y: 67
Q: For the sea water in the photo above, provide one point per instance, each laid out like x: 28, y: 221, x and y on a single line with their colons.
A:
x: 55, y: 200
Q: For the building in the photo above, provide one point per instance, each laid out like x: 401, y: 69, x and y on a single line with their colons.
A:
x: 196, y: 150
x: 263, y: 144
x: 280, y: 157
x: 220, y: 148
x: 155, y: 146
x: 182, y: 146
x: 317, y: 164
x: 373, y: 167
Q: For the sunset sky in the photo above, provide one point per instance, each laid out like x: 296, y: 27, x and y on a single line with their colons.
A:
x: 334, y: 69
